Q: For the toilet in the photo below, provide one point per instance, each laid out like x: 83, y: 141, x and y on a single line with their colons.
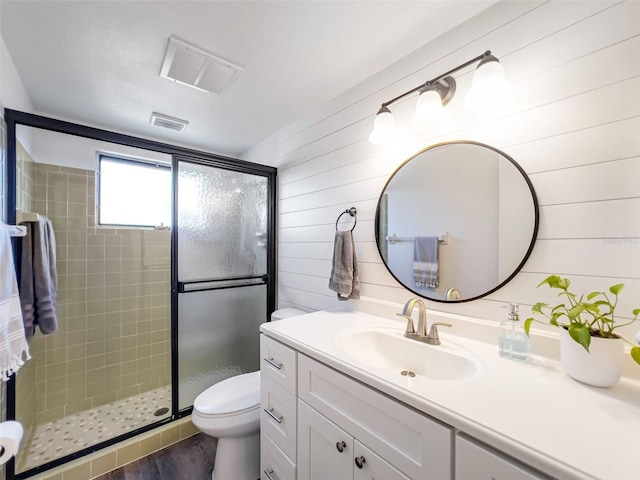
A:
x: 230, y: 412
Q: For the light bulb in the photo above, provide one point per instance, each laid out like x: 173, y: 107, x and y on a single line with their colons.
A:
x: 384, y: 127
x: 428, y: 108
x: 489, y: 87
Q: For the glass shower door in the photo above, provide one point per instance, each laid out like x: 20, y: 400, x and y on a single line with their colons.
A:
x: 222, y: 274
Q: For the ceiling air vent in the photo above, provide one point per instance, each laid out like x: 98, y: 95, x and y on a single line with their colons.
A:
x: 166, y: 121
x: 192, y: 66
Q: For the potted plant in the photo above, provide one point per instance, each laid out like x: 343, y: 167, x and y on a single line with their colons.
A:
x: 590, y: 350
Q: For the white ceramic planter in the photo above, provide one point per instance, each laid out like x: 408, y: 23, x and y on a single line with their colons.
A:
x: 601, y: 366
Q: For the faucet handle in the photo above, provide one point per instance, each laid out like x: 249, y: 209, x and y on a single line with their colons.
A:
x: 409, y: 328
x: 433, y: 338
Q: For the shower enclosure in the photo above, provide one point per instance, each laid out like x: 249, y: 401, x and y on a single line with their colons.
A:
x: 148, y: 318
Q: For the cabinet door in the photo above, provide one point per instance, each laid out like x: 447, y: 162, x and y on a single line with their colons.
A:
x: 476, y: 462
x: 325, y: 451
x: 369, y: 466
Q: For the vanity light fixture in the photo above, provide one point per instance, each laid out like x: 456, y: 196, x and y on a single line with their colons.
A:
x: 488, y: 88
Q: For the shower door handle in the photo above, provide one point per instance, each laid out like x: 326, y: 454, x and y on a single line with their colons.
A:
x: 221, y: 283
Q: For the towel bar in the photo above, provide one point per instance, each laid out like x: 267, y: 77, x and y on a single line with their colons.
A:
x: 22, y: 216
x: 443, y: 238
x: 15, y: 230
x: 353, y: 211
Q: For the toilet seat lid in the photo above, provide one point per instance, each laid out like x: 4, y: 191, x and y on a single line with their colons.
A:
x: 235, y: 394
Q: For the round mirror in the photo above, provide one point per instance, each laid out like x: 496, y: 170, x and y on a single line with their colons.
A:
x: 456, y: 221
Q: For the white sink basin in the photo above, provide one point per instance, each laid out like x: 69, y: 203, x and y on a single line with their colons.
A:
x: 390, y: 351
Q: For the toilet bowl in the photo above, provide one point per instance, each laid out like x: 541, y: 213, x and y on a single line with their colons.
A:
x: 230, y: 411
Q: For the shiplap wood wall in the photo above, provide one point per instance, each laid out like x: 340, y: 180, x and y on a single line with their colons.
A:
x: 574, y: 128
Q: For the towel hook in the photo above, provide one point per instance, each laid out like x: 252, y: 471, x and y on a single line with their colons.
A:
x: 353, y: 213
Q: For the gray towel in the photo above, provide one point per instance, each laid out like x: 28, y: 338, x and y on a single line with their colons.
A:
x: 39, y: 280
x: 344, y: 279
x: 425, y: 262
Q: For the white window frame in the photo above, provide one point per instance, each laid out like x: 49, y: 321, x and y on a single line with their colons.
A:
x: 140, y: 162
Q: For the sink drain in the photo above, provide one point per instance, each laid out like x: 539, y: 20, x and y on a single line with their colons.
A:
x: 407, y: 373
x: 161, y: 411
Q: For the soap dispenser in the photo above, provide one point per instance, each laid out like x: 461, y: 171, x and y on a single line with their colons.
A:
x: 513, y: 340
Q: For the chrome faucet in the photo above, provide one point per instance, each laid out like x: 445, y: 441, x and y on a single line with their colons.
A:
x: 410, y: 332
x: 421, y: 335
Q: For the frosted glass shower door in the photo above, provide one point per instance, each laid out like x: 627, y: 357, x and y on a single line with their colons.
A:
x: 222, y: 220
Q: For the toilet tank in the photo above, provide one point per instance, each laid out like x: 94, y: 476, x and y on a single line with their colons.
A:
x: 286, y: 313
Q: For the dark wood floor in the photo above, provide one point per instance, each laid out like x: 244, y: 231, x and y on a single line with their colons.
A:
x: 190, y: 459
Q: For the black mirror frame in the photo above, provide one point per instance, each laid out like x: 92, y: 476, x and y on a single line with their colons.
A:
x: 534, y: 235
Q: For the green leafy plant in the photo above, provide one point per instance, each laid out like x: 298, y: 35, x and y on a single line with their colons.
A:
x: 583, y: 318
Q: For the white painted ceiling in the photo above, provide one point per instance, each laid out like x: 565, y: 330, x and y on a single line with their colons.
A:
x: 98, y: 62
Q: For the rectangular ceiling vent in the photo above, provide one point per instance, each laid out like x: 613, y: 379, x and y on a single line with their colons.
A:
x: 192, y: 66
x: 165, y: 121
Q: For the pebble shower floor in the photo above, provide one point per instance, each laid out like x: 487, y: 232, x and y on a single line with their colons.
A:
x: 62, y: 437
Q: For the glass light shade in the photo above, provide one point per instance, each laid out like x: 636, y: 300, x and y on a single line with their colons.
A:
x: 428, y: 108
x: 489, y: 87
x: 384, y: 127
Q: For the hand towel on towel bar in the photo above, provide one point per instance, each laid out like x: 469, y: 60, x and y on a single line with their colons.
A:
x: 13, y: 343
x: 39, y: 281
x: 344, y: 279
x: 425, y: 262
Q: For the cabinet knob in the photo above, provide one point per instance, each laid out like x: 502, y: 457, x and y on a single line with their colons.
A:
x: 360, y: 462
x: 341, y: 446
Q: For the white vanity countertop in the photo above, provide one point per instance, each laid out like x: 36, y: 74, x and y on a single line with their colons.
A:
x: 532, y: 411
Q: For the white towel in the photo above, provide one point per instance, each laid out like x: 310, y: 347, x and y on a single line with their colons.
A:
x: 13, y: 343
x: 425, y: 262
x: 344, y: 279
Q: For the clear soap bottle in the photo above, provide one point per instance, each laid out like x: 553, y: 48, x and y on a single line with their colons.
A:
x: 513, y: 342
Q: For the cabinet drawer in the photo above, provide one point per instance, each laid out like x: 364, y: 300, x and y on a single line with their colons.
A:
x: 278, y: 362
x: 274, y: 464
x: 477, y: 462
x: 413, y: 443
x: 278, y: 415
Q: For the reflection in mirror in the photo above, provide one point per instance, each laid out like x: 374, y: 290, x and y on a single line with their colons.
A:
x: 474, y: 212
x: 106, y: 370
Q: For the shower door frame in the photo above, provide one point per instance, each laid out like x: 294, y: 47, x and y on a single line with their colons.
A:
x: 176, y: 285
x: 13, y: 118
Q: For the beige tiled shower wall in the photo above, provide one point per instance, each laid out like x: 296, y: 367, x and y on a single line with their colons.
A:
x: 113, y: 337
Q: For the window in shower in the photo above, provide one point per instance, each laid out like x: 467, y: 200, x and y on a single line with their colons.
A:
x: 133, y: 192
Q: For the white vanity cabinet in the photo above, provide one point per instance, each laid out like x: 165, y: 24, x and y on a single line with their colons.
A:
x: 319, y: 424
x: 478, y: 462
